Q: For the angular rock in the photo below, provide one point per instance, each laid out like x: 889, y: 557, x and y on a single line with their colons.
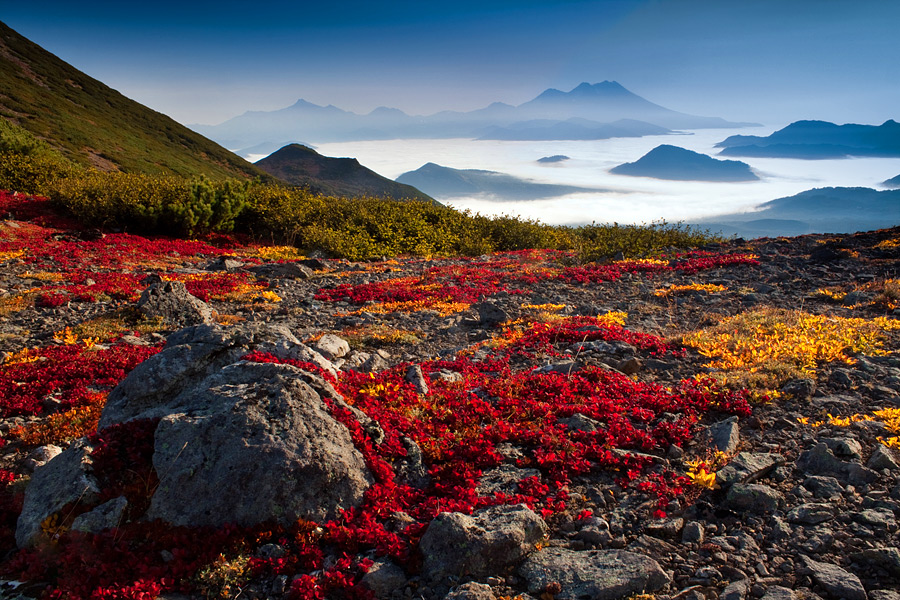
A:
x: 265, y: 442
x: 580, y: 422
x: 471, y: 591
x: 884, y: 595
x: 811, y: 514
x: 383, y: 578
x: 288, y: 270
x: 777, y: 592
x: 800, y: 388
x: 666, y: 528
x: 736, y: 590
x: 491, y: 314
x: 724, y: 435
x: 878, y: 517
x: 748, y: 467
x: 693, y: 533
x: 171, y: 302
x: 331, y: 346
x: 41, y: 456
x: 595, y: 574
x: 415, y: 376
x: 844, y: 448
x: 163, y: 384
x: 883, y: 458
x: 753, y: 498
x: 820, y: 460
x: 883, y: 558
x: 837, y: 582
x: 823, y: 487
x: 482, y: 544
x: 103, y: 517
x: 66, y: 479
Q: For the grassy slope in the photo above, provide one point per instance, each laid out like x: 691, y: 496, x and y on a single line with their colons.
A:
x: 91, y: 123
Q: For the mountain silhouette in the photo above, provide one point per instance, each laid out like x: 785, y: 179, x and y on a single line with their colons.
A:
x: 302, y: 166
x: 820, y: 210
x: 445, y: 182
x: 589, y: 111
x: 893, y: 182
x: 818, y: 140
x: 674, y: 163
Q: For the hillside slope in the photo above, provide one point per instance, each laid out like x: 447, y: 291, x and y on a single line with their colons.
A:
x: 90, y: 123
x: 300, y: 165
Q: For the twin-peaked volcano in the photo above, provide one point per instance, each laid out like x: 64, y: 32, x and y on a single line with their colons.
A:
x: 589, y: 111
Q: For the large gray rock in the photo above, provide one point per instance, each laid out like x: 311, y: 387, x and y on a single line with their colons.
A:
x: 258, y: 444
x: 884, y: 558
x: 383, y: 578
x: 753, y: 498
x: 835, y: 580
x: 106, y: 516
x: 724, y: 435
x: 471, y: 591
x: 171, y: 302
x: 482, y: 544
x: 163, y: 384
x: 65, y: 479
x: 595, y: 574
x: 748, y: 467
x: 821, y: 460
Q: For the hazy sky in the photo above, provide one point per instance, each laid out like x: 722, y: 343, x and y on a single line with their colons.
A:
x: 772, y: 61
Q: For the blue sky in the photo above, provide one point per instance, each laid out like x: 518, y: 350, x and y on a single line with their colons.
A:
x: 772, y: 61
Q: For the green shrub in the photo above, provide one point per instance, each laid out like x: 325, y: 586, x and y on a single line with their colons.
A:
x: 151, y: 203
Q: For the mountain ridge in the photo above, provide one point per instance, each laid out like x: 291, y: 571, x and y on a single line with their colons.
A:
x: 810, y: 139
x: 679, y: 164
x: 605, y: 103
x: 301, y: 165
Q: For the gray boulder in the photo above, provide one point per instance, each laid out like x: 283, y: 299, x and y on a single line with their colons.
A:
x: 595, y: 574
x: 259, y: 444
x: 471, y: 591
x: 171, y: 302
x: 163, y: 384
x: 482, y: 544
x: 383, y: 578
x: 748, y: 467
x: 837, y: 582
x: 753, y: 498
x: 724, y: 435
x: 331, y: 346
x: 103, y: 517
x: 65, y: 479
x: 821, y: 460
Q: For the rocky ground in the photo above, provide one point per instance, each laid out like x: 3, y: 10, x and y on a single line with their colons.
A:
x: 804, y: 505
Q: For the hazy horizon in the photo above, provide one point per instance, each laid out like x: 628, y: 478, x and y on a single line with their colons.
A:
x: 749, y: 60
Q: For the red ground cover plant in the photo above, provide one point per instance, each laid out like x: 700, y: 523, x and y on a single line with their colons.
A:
x: 475, y: 411
x: 70, y: 374
x: 502, y: 272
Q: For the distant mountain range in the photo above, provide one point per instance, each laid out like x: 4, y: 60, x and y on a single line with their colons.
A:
x: 893, y: 182
x: 303, y: 166
x: 444, y: 182
x: 588, y: 111
x: 821, y: 210
x: 680, y: 164
x: 818, y: 140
